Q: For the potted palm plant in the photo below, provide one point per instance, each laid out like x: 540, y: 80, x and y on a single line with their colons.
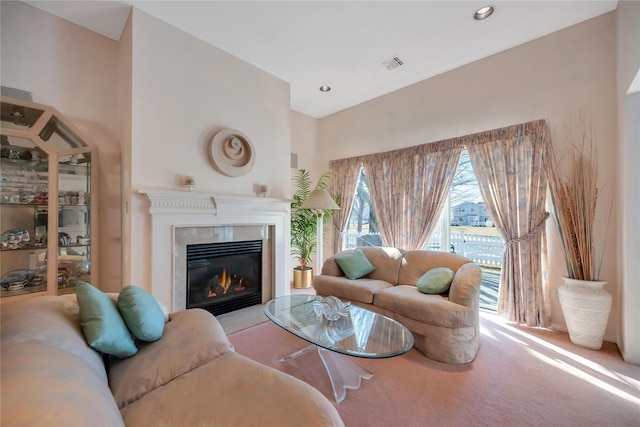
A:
x: 585, y: 304
x: 304, y: 227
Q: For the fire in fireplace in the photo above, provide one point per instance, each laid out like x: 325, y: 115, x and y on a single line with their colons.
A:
x: 223, y: 277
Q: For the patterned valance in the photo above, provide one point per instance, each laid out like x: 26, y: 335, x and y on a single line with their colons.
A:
x: 539, y: 128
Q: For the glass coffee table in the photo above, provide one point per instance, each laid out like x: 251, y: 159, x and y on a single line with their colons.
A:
x: 361, y: 333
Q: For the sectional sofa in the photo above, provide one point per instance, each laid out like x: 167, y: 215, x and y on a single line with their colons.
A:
x: 189, y: 377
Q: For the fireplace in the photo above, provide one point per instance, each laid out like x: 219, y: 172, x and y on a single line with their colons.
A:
x: 182, y: 218
x: 223, y: 277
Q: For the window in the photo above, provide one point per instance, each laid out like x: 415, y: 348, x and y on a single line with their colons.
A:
x: 464, y: 228
x: 470, y: 231
x: 362, y: 228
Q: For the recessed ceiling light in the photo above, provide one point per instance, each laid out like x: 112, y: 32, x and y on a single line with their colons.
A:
x: 483, y: 13
x: 325, y: 88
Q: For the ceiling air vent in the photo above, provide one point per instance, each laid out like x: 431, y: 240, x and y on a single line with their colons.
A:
x: 392, y: 63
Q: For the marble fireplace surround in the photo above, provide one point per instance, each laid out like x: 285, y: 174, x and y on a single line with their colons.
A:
x: 179, y: 218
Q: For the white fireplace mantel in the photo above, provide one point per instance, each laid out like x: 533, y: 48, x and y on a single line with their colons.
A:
x: 171, y: 202
x: 170, y: 210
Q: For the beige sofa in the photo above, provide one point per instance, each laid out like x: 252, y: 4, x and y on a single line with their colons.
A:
x: 445, y: 327
x: 190, y: 377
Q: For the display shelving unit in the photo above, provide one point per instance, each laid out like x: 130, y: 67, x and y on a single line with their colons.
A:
x: 46, y: 166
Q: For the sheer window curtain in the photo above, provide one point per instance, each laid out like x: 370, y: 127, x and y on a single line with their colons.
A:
x: 509, y: 165
x: 408, y: 189
x: 343, y: 183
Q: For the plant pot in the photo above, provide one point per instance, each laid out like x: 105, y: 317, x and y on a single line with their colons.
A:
x: 586, y: 307
x: 302, y: 278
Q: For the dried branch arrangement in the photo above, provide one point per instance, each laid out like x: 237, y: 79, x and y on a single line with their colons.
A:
x: 575, y: 193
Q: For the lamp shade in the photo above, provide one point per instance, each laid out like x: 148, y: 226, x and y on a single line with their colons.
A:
x: 320, y: 199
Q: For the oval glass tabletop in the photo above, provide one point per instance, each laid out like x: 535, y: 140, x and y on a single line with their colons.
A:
x: 363, y: 333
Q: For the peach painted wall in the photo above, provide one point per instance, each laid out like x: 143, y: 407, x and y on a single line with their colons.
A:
x: 183, y: 92
x: 125, y: 47
x: 628, y: 65
x: 304, y: 136
x: 74, y: 70
x: 553, y: 77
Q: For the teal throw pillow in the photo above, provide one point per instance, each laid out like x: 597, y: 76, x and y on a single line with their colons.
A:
x: 142, y: 313
x: 102, y: 327
x: 435, y: 281
x: 354, y: 265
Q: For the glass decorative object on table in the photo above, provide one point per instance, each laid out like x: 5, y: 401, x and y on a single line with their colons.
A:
x: 332, y: 308
x: 336, y: 322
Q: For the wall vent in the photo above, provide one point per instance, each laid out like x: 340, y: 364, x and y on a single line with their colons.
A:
x: 392, y: 63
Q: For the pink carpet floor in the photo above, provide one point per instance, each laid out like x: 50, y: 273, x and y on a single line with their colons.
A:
x: 521, y: 377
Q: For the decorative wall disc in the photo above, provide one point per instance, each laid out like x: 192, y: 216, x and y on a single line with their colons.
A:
x: 231, y: 153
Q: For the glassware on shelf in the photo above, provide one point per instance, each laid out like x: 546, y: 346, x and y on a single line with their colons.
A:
x: 16, y: 279
x: 14, y: 238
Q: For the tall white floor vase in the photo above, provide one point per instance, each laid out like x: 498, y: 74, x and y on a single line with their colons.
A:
x: 586, y: 307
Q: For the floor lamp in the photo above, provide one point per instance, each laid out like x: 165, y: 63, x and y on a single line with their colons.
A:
x: 319, y: 200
